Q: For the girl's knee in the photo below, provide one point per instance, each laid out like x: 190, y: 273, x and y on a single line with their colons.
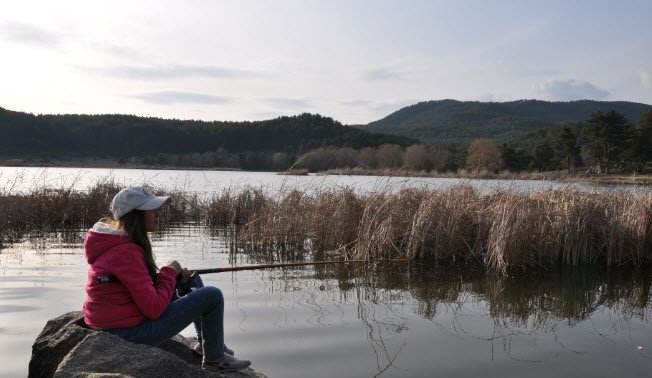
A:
x: 213, y: 294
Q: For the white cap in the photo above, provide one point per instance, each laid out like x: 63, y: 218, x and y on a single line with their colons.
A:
x: 138, y: 198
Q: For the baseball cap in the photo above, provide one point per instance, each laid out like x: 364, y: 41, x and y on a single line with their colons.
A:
x: 135, y: 198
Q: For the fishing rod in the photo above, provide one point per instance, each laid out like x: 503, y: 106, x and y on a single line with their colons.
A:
x: 107, y: 279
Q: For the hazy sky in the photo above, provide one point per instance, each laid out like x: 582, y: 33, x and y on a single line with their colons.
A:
x: 355, y: 61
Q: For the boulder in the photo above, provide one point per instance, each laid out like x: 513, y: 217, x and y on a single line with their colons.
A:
x: 68, y: 348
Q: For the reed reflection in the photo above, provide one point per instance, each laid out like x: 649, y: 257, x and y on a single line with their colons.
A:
x: 384, y: 298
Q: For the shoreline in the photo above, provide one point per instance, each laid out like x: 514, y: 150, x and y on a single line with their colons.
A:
x: 117, y: 166
x: 606, y: 179
x: 602, y: 178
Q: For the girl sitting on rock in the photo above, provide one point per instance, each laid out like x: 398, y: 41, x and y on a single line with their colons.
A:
x: 139, y: 306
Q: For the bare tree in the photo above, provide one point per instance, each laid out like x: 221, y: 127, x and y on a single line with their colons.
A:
x: 483, y: 154
x: 368, y: 158
x: 438, y: 158
x: 317, y: 160
x: 345, y: 157
x: 416, y: 158
x: 280, y: 161
x: 390, y: 156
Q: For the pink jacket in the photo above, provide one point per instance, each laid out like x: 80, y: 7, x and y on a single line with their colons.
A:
x: 134, y: 298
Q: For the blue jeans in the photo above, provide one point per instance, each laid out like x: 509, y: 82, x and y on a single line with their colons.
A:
x: 185, y: 289
x: 203, y: 306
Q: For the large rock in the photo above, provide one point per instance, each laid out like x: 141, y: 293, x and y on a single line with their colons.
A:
x: 68, y: 348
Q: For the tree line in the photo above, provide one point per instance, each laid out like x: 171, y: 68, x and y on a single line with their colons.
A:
x: 387, y: 156
x: 603, y: 142
x: 26, y: 135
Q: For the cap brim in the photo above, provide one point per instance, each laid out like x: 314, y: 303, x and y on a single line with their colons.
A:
x: 154, y: 203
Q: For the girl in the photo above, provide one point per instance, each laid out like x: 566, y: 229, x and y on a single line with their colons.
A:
x: 138, y: 306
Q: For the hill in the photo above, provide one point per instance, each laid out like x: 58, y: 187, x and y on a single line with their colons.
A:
x: 26, y: 135
x: 461, y: 121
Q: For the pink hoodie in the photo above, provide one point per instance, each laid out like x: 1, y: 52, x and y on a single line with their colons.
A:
x: 134, y: 298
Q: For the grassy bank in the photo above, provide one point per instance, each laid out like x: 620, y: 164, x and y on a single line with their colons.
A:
x: 502, y: 231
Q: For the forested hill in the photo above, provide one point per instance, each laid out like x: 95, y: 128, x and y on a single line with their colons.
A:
x: 26, y: 135
x: 451, y: 120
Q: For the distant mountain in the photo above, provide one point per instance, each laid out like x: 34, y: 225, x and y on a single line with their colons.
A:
x: 461, y: 121
x: 26, y: 135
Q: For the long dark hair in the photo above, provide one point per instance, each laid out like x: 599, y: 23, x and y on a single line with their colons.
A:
x: 133, y: 223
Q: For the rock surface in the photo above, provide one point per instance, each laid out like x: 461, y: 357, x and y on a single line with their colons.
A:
x: 68, y: 348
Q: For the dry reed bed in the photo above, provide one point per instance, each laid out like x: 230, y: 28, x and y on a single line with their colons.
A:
x: 44, y: 209
x: 501, y: 230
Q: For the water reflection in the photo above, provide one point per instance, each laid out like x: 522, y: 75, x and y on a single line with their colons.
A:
x: 365, y: 319
x: 460, y: 302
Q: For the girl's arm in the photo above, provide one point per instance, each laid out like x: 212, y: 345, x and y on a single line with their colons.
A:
x: 152, y: 299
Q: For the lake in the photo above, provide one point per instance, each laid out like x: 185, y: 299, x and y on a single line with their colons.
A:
x: 20, y: 179
x: 364, y: 320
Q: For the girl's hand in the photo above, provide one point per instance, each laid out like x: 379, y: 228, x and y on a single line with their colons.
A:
x: 175, y: 264
x: 185, y: 275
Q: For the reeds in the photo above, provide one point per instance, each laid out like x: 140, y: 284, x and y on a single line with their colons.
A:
x: 295, y: 172
x: 501, y: 231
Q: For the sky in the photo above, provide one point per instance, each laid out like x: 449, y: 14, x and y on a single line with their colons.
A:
x: 355, y: 61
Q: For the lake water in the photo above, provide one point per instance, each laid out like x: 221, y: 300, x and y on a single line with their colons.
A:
x: 21, y: 179
x: 393, y: 320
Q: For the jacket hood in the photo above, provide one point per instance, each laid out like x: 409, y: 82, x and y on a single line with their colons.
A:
x: 101, y: 238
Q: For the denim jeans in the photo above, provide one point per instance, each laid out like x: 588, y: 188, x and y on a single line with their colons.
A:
x: 185, y: 289
x: 203, y: 306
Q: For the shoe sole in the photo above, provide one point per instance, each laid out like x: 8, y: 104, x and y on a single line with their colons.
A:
x: 227, y: 370
x: 202, y: 354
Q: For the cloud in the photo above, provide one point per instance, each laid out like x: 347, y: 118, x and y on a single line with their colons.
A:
x: 487, y: 97
x: 388, y: 107
x: 568, y: 90
x: 174, y: 97
x: 116, y: 50
x: 382, y: 74
x: 170, y: 72
x: 356, y: 103
x: 379, y: 108
x: 287, y: 103
x: 27, y: 34
x: 264, y: 115
x: 645, y: 78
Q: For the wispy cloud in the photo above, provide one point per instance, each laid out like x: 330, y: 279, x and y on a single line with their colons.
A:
x: 387, y: 107
x: 644, y: 78
x: 174, y: 97
x: 264, y: 115
x: 170, y: 72
x: 568, y: 90
x: 287, y: 103
x: 115, y: 49
x: 22, y: 33
x: 379, y: 107
x: 355, y: 103
x: 382, y: 74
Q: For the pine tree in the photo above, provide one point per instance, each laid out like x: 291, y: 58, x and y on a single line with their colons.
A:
x: 543, y: 155
x: 607, y: 135
x: 565, y: 147
x: 642, y: 140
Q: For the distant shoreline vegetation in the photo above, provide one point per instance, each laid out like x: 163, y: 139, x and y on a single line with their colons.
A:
x: 605, y: 142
